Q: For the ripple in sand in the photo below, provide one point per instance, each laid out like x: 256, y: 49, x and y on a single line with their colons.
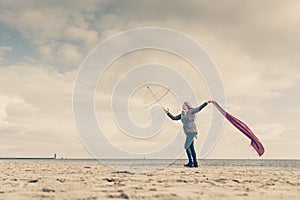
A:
x: 121, y: 196
x: 33, y: 181
x: 109, y: 180
x: 48, y: 190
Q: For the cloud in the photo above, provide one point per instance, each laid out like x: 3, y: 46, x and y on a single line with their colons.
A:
x: 4, y: 50
x: 6, y: 102
x: 53, y: 27
x: 254, y: 44
x: 36, y: 111
x: 81, y: 34
x: 66, y: 53
x: 266, y: 31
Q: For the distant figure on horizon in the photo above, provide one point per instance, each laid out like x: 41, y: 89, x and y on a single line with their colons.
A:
x: 187, y: 117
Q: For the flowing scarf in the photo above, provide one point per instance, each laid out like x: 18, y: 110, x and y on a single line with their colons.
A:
x: 255, y: 143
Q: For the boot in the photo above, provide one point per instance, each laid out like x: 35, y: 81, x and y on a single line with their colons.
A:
x: 196, y: 164
x: 193, y: 152
x: 189, y: 164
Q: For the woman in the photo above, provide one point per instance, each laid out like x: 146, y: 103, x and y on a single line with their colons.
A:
x: 187, y: 117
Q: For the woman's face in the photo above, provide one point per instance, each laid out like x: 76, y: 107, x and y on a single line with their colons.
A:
x: 184, y: 107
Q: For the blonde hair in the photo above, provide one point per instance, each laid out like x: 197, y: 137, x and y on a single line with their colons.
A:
x: 188, y: 105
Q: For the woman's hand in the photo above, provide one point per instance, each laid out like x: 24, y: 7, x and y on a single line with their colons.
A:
x: 166, y: 110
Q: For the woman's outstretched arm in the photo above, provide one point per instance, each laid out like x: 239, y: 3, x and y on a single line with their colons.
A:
x: 197, y: 109
x: 177, y: 117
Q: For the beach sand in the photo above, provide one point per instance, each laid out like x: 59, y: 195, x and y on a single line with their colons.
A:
x: 71, y: 180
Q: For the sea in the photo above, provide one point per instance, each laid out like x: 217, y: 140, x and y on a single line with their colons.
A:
x: 151, y: 164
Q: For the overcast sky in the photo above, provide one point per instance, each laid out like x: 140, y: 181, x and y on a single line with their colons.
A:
x: 254, y: 44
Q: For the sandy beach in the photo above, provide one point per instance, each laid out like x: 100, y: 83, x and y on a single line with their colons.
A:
x: 71, y: 180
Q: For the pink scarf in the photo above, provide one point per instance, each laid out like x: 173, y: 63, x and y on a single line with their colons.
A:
x: 255, y: 143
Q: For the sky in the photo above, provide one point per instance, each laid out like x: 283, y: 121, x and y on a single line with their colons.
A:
x: 254, y: 44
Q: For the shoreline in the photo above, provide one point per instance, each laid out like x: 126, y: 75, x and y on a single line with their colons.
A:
x: 71, y: 158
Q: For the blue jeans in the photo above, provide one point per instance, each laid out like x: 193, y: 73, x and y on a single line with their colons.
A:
x: 189, y: 147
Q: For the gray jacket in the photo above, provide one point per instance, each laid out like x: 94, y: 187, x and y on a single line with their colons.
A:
x: 188, y: 119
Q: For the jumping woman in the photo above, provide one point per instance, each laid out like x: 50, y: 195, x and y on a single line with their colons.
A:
x: 187, y: 117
